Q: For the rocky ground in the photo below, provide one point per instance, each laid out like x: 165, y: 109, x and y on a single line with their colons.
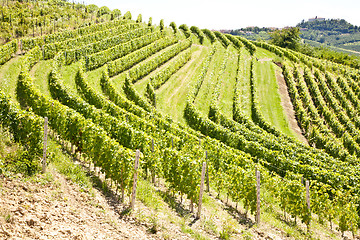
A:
x: 51, y: 207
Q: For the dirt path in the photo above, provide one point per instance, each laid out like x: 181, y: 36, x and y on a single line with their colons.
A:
x: 59, y: 209
x: 288, y: 106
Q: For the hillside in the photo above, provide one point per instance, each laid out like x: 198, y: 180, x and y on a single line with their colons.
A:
x: 332, y: 32
x: 271, y: 135
x: 37, y: 18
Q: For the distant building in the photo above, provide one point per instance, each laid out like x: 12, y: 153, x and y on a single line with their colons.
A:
x: 224, y: 31
x: 273, y: 28
x: 316, y: 19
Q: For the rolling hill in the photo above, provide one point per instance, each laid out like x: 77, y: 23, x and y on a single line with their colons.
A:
x: 195, y: 103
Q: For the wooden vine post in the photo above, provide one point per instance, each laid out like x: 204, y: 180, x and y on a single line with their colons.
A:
x: 154, y: 100
x: 201, y: 190
x: 45, y: 145
x: 307, y: 184
x: 152, y: 150
x: 207, y: 173
x: 136, y: 166
x: 257, y: 217
x: 307, y: 194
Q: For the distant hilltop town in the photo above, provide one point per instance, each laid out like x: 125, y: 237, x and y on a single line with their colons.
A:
x: 316, y: 19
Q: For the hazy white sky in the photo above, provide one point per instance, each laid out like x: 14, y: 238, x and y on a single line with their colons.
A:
x: 232, y: 14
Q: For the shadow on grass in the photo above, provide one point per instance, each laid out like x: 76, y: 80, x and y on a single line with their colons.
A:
x: 240, y: 217
x: 291, y: 223
x: 174, y: 204
x: 112, y: 198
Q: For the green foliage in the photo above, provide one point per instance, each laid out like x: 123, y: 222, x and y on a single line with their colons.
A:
x: 32, y: 18
x: 7, y: 50
x: 147, y: 66
x: 29, y: 43
x: 255, y: 30
x: 92, y: 8
x: 26, y: 129
x: 198, y: 33
x: 139, y: 18
x: 102, y: 11
x: 249, y: 45
x: 119, y: 65
x: 96, y: 41
x: 235, y: 41
x: 111, y: 53
x: 150, y: 22
x: 114, y: 159
x: 332, y: 25
x: 108, y: 132
x: 161, y: 24
x: 150, y: 94
x: 26, y: 163
x: 164, y: 74
x: 173, y: 26
x: 225, y: 42
x: 134, y: 96
x: 322, y: 141
x: 118, y: 99
x: 102, y: 45
x: 127, y: 15
x: 210, y: 35
x: 286, y: 38
x: 185, y: 30
x: 325, y: 52
x: 116, y: 13
x: 349, y: 218
x: 118, y: 130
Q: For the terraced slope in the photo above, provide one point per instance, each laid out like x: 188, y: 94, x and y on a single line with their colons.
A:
x: 183, y: 103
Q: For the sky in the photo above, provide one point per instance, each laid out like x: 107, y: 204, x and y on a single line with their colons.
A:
x: 235, y: 14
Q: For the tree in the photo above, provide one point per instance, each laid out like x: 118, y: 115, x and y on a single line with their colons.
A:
x: 173, y: 26
x: 161, y: 24
x: 102, y: 11
x: 116, y: 13
x: 139, y: 18
x: 287, y: 38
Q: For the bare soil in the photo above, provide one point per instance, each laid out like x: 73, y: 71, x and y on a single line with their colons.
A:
x: 59, y: 209
x: 288, y: 107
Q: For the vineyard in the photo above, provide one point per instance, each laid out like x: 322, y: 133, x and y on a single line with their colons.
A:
x: 185, y: 96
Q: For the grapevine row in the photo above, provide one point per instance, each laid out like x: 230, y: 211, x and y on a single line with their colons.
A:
x: 165, y: 73
x: 26, y: 127
x: 97, y: 60
x: 331, y: 119
x: 7, y: 50
x: 210, y: 35
x: 114, y: 160
x: 197, y: 32
x: 76, y: 54
x: 309, y: 118
x: 149, y: 65
x: 29, y: 43
x: 117, y: 66
x: 335, y: 105
x: 221, y: 37
x: 51, y: 49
